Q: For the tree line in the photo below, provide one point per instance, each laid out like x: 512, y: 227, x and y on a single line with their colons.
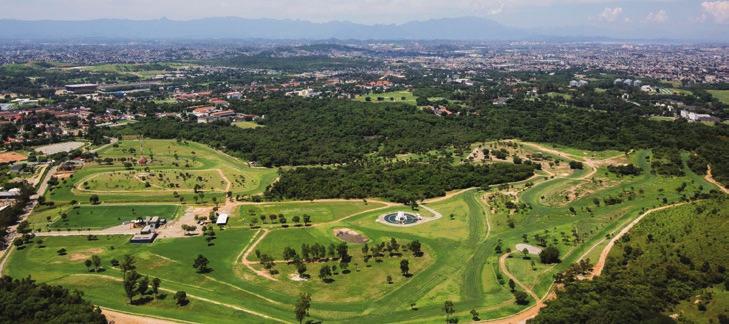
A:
x: 311, y: 132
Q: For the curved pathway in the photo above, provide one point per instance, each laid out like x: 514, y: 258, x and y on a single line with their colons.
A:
x: 710, y: 178
x: 600, y: 264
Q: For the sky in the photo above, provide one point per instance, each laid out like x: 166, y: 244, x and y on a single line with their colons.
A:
x: 655, y: 15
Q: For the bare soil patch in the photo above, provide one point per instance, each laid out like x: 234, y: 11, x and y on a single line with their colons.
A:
x: 83, y: 255
x: 350, y: 236
x: 8, y: 157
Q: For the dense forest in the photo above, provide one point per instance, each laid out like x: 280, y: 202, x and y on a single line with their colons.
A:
x: 24, y: 301
x: 311, y: 132
x: 405, y: 181
x: 664, y: 261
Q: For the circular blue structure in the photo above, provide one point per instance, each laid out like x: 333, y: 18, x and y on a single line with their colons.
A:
x: 401, y: 218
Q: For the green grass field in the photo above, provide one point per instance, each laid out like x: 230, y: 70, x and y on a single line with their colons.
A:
x: 172, y: 172
x: 247, y: 124
x: 318, y: 211
x: 393, y: 96
x: 460, y: 262
x: 97, y: 217
x: 722, y: 95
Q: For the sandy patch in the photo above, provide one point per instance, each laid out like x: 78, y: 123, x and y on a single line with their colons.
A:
x: 349, y: 235
x: 83, y: 255
x: 124, y: 318
x: 530, y: 248
x: 7, y: 157
x: 296, y: 277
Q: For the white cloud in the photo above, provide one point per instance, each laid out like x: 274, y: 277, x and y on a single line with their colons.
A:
x: 610, y: 14
x: 657, y: 17
x: 718, y: 11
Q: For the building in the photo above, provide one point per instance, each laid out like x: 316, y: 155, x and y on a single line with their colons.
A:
x: 82, y: 88
x: 694, y: 117
x: 234, y: 95
x: 143, y: 238
x: 222, y: 219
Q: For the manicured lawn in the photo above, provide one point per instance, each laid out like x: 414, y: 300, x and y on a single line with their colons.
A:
x: 318, y: 211
x: 394, y: 96
x: 97, y: 217
x: 171, y: 167
x: 247, y: 124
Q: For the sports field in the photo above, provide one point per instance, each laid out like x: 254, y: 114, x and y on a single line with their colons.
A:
x: 464, y: 242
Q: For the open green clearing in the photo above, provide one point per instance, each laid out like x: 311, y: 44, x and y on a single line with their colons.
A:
x: 722, y: 95
x: 247, y: 124
x: 173, y: 171
x: 144, y: 71
x: 97, y: 217
x: 393, y: 96
x: 571, y: 212
x: 318, y: 211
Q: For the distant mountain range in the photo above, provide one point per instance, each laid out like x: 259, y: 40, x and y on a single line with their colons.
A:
x: 466, y: 28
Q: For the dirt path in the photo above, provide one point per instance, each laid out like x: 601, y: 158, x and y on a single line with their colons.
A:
x: 191, y: 296
x: 229, y: 184
x: 448, y: 195
x: 117, y: 317
x: 710, y: 178
x: 525, y: 314
x: 249, y: 264
x: 600, y: 264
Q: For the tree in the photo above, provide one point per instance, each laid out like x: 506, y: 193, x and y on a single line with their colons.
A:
x: 201, y: 264
x: 301, y: 310
x: 549, y: 255
x: 24, y: 301
x: 415, y: 247
x: 512, y: 285
x: 88, y: 264
x: 389, y: 279
x: 94, y: 199
x: 96, y: 260
x: 325, y: 273
x: 181, y: 298
x: 307, y: 219
x: 61, y: 251
x: 449, y: 308
x: 131, y: 287
x: 405, y: 267
x: 474, y: 315
x: 143, y: 285
x: 301, y: 269
x: 521, y: 297
x: 127, y: 264
x: 155, y: 286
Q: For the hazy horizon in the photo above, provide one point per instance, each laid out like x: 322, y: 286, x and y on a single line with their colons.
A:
x: 654, y: 19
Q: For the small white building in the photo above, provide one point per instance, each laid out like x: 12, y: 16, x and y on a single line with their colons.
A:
x: 222, y: 219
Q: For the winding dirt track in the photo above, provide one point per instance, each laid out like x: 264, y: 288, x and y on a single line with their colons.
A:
x: 600, y: 264
x: 710, y: 178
